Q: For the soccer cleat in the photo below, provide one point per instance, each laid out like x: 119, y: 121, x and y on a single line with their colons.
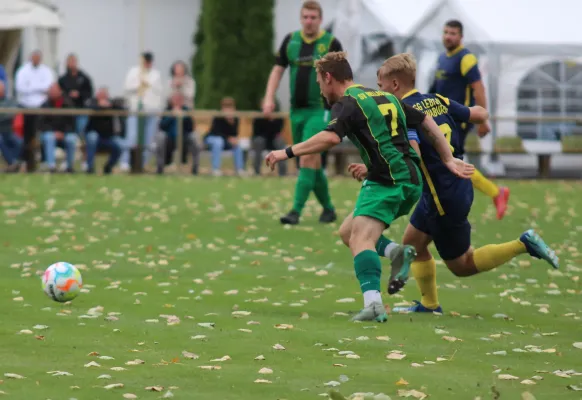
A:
x: 537, y: 248
x: 327, y: 216
x: 501, y: 201
x: 290, y: 219
x: 417, y: 308
x: 374, y: 312
x: 404, y: 256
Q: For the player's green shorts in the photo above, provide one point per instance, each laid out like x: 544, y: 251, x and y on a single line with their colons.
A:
x: 386, y: 203
x: 307, y: 122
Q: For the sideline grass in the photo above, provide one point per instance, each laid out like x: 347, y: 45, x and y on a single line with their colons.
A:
x: 156, y: 248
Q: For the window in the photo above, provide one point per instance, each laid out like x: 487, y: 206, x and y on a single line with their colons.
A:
x: 550, y: 90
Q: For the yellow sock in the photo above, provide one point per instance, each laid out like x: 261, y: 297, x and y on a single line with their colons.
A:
x: 492, y: 256
x: 424, y: 272
x: 484, y: 185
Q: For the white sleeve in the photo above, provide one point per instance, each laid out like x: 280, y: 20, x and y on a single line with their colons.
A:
x: 132, y: 81
x: 20, y: 86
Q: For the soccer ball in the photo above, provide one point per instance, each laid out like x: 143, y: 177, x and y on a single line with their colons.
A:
x: 62, y: 282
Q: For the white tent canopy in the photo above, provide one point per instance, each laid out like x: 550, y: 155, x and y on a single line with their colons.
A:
x: 28, y: 25
x: 510, y: 37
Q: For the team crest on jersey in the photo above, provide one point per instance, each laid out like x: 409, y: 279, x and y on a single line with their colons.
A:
x: 440, y: 74
x: 321, y: 48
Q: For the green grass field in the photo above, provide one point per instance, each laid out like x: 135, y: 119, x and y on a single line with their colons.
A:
x: 182, y: 273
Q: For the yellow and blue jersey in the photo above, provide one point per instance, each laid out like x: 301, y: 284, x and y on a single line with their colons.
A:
x: 456, y: 71
x: 446, y: 199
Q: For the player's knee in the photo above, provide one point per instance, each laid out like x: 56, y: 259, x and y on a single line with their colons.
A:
x: 462, y: 266
x: 345, y: 233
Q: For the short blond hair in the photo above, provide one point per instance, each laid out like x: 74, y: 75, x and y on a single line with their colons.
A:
x: 336, y: 64
x: 313, y: 6
x: 401, y: 65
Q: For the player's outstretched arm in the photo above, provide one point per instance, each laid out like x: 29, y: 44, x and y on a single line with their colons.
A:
x: 272, y: 85
x: 319, y: 143
x: 441, y: 145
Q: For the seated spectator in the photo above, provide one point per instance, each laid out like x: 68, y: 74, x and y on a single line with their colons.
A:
x: 58, y: 129
x: 267, y: 136
x: 223, y: 135
x: 10, y: 144
x: 182, y: 82
x: 166, y: 140
x: 101, y: 133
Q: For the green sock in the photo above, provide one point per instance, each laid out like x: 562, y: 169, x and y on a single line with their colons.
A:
x: 368, y: 270
x: 381, y: 245
x: 304, y: 186
x: 321, y: 189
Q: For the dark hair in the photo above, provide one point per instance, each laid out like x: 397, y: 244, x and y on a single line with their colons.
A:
x: 148, y: 56
x: 174, y: 66
x: 455, y: 23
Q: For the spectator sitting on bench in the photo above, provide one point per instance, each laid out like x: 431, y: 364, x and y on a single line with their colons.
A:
x: 166, y: 139
x: 267, y: 136
x: 10, y: 144
x: 101, y: 133
x: 223, y: 135
x: 58, y: 130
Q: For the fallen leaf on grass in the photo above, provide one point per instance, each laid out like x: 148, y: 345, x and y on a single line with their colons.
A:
x: 412, y: 393
x: 339, y: 365
x: 507, y: 377
x: 260, y: 357
x: 221, y: 359
x: 284, y: 326
x: 346, y: 300
x: 353, y: 356
x: 278, y: 347
x: 395, y: 355
x: 578, y: 345
x: 265, y: 371
x: 304, y: 315
x: 262, y: 381
x: 527, y: 396
x: 574, y: 388
x: 189, y: 355
x: 118, y: 369
x: 25, y: 332
x: 104, y: 377
x: 40, y: 327
x: 114, y: 386
x: 137, y: 361
x: 92, y: 364
x: 527, y: 382
x: 245, y: 330
x: 401, y: 382
x: 209, y: 325
x: 10, y: 375
x: 210, y: 367
x: 240, y: 314
x: 383, y: 338
x: 154, y: 388
x: 129, y: 396
x: 198, y: 337
x: 452, y: 339
x: 332, y: 384
x: 59, y: 373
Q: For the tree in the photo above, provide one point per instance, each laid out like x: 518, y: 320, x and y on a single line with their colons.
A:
x: 234, y: 51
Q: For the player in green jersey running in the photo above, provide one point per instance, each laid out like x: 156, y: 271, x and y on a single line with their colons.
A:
x: 376, y: 122
x: 308, y: 112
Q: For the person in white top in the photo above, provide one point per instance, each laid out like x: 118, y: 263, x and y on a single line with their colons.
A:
x: 33, y: 80
x: 181, y: 82
x: 142, y: 83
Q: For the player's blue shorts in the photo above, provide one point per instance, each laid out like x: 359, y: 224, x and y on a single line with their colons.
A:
x: 451, y: 232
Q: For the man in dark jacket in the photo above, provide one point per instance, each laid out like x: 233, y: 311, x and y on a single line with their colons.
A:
x: 166, y: 139
x: 10, y: 144
x: 77, y: 85
x: 58, y: 129
x: 101, y: 132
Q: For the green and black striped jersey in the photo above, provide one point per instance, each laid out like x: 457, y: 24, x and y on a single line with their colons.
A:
x: 377, y: 123
x: 300, y: 53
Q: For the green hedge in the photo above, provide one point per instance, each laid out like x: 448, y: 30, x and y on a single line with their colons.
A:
x: 509, y: 145
x: 234, y: 51
x: 572, y: 144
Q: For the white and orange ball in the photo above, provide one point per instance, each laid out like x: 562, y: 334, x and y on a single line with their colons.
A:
x: 62, y: 282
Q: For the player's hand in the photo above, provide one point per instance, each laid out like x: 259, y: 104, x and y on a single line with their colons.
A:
x: 274, y: 157
x: 359, y: 171
x: 460, y: 168
x: 483, y: 129
x: 268, y: 106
